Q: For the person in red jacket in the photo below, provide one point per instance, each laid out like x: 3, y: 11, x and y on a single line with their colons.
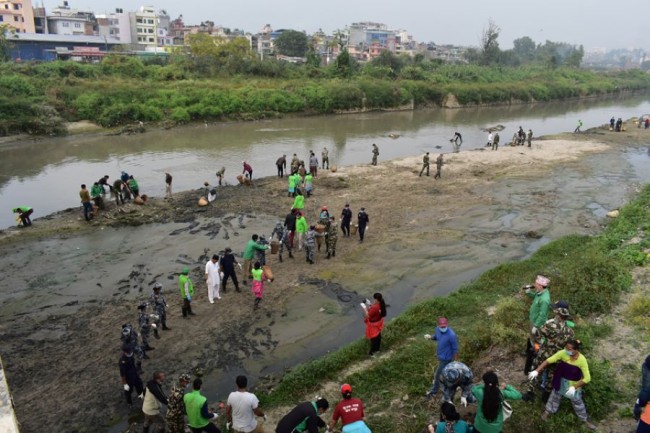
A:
x: 374, y: 319
x: 248, y: 169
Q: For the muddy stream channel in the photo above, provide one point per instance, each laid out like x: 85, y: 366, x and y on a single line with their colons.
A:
x: 51, y: 287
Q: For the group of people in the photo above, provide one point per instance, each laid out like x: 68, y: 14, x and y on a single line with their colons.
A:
x: 519, y: 138
x: 125, y: 188
x: 426, y: 163
x: 553, y: 364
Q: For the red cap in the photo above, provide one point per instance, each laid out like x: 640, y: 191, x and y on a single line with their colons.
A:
x: 442, y: 321
x: 345, y: 388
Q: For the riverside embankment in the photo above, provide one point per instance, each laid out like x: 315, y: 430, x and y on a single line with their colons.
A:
x: 69, y: 285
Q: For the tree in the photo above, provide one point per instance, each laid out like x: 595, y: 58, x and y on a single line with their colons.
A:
x: 6, y: 33
x: 524, y: 49
x: 490, y: 51
x: 291, y: 43
x: 343, y: 64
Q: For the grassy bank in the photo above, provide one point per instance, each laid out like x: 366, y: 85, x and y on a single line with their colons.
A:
x: 38, y: 98
x: 490, y: 317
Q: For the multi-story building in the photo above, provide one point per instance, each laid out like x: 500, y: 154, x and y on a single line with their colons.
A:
x: 144, y: 24
x: 66, y: 21
x: 370, y: 39
x: 18, y: 14
x: 115, y: 25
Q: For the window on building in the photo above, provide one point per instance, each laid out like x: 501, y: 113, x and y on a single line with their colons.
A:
x: 6, y: 5
x: 77, y: 25
x: 151, y: 40
x: 150, y: 30
x: 1, y: 18
x: 16, y: 18
x: 138, y: 20
x: 17, y: 6
x: 149, y: 21
x: 65, y: 24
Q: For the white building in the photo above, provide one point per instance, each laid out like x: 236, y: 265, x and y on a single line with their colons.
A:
x: 144, y: 24
x: 66, y: 21
x: 115, y: 25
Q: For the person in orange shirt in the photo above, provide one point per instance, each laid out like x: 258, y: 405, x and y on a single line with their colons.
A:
x: 374, y: 319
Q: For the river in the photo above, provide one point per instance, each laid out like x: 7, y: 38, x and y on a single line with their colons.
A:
x: 46, y: 173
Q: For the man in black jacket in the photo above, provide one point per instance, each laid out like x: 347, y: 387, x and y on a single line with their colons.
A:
x: 228, y: 262
x: 304, y: 418
x: 154, y: 398
x: 129, y: 374
x: 346, y: 217
x: 290, y: 225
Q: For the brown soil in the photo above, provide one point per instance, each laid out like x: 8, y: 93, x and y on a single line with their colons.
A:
x: 62, y: 368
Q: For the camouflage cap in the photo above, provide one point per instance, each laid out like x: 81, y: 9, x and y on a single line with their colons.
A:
x: 184, y: 378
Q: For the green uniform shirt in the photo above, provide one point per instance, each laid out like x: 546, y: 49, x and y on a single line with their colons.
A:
x: 181, y: 284
x: 301, y: 225
x: 194, y: 401
x: 96, y: 191
x: 251, y: 246
x: 257, y: 274
x: 23, y: 209
x: 538, y: 312
x: 299, y: 202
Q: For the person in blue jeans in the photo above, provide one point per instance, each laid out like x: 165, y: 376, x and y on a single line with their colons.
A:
x: 447, y: 350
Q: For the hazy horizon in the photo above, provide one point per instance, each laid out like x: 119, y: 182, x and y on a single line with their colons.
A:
x: 460, y: 22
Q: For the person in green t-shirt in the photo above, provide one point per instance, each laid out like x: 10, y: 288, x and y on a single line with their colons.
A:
x: 23, y: 213
x: 198, y: 414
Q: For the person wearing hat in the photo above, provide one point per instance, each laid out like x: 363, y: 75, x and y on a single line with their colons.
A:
x: 281, y: 164
x: 129, y: 374
x: 425, y: 164
x: 228, y: 262
x: 159, y: 305
x: 176, y: 407
x: 304, y: 417
x: 198, y: 414
x: 146, y: 326
x: 23, y: 213
x: 248, y: 170
x: 537, y: 314
x: 447, y: 350
x: 187, y: 291
x: 242, y: 408
x: 551, y: 337
x: 454, y: 375
x: 363, y: 220
x: 129, y: 339
x: 350, y: 412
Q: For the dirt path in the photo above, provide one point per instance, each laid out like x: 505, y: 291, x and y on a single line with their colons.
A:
x: 68, y: 350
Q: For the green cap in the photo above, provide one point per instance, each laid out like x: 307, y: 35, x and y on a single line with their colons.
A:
x: 186, y: 270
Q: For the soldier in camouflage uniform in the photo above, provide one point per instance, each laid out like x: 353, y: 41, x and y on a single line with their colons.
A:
x: 129, y: 341
x: 146, y: 326
x: 310, y: 244
x: 551, y: 338
x: 375, y: 154
x: 176, y: 407
x: 425, y: 164
x: 331, y: 237
x: 157, y: 301
x: 282, y: 236
x: 260, y: 255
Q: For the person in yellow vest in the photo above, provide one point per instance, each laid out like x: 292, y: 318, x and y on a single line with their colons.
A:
x: 187, y: 291
x: 198, y: 414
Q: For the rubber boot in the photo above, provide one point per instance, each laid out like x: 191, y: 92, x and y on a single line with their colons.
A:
x: 333, y: 253
x: 147, y: 347
x: 155, y: 334
x: 328, y: 256
x: 290, y: 255
x: 280, y: 257
x: 166, y: 328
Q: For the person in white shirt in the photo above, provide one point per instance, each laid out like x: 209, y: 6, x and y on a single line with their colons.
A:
x: 490, y: 138
x: 242, y: 408
x: 213, y: 278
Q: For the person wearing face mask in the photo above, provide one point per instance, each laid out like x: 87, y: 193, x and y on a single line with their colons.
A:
x: 129, y: 373
x: 154, y: 398
x: 176, y: 407
x: 571, y: 375
x: 447, y: 351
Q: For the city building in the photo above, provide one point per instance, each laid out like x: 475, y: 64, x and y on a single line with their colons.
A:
x: 46, y: 47
x: 115, y: 25
x: 144, y: 27
x: 64, y: 20
x: 18, y: 14
x: 369, y: 39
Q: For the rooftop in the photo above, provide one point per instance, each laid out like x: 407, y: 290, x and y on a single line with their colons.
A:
x: 82, y: 39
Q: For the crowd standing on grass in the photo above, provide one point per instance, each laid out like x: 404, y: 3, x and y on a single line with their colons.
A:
x: 554, y: 363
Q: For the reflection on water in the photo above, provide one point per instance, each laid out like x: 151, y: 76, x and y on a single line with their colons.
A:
x: 46, y: 174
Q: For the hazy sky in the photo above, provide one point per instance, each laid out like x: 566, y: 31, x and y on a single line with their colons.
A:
x: 594, y: 23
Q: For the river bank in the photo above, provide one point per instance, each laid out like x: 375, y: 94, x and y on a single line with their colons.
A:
x: 79, y: 282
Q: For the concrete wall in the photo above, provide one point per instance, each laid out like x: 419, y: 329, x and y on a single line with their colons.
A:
x: 8, y: 422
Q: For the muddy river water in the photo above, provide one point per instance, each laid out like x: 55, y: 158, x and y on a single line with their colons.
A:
x: 63, y: 274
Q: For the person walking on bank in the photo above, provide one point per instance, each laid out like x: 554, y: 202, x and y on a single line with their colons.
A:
x: 168, y: 185
x: 228, y: 262
x: 24, y: 213
x: 363, y: 220
x: 213, y: 278
x: 301, y: 229
x: 298, y: 201
x: 495, y: 141
x: 332, y: 234
x: 259, y: 277
x: 439, y: 163
x: 198, y: 414
x: 375, y: 153
x: 537, y: 315
x: 304, y: 418
x: 85, y: 201
x: 154, y: 398
x: 310, y: 244
x: 447, y: 351
x: 176, y: 407
x: 350, y: 411
x: 578, y: 127
x: 242, y: 408
x: 325, y: 159
x: 129, y: 374
x: 187, y: 291
x: 373, y: 317
x: 489, y: 400
x: 159, y: 306
x: 529, y: 137
x: 425, y: 164
x: 249, y: 254
x: 346, y: 218
x: 571, y: 375
x: 281, y: 164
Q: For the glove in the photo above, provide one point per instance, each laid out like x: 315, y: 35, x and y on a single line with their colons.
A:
x: 141, y: 396
x: 265, y: 418
x: 127, y: 388
x: 463, y: 401
x: 228, y: 425
x: 154, y: 326
x: 427, y: 336
x: 221, y: 275
x: 532, y: 375
x: 571, y: 392
x: 363, y: 305
x: 215, y: 416
x: 189, y: 298
x: 239, y: 264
